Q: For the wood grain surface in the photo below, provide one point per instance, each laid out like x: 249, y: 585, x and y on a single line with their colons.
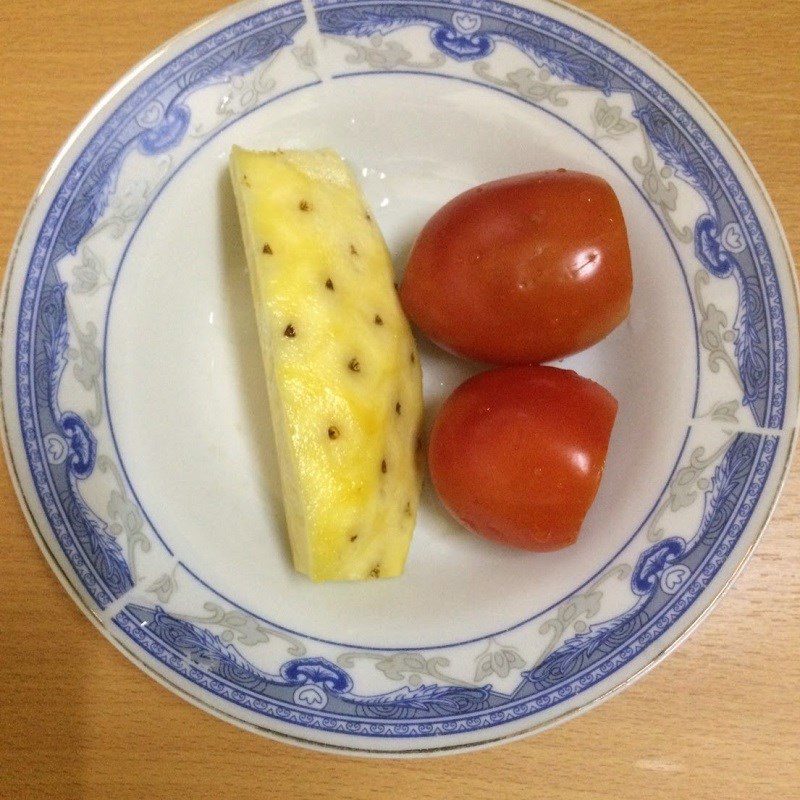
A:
x: 719, y: 719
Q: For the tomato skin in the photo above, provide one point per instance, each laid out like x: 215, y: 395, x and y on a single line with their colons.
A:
x: 516, y: 454
x: 522, y: 270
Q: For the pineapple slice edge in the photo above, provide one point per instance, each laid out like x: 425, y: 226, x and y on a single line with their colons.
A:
x: 344, y: 381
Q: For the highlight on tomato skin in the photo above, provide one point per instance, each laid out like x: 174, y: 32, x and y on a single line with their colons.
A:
x: 516, y: 454
x: 522, y: 270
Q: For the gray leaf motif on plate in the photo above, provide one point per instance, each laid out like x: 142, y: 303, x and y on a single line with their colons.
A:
x: 164, y: 586
x: 243, y: 93
x: 404, y: 666
x: 242, y: 627
x: 715, y: 333
x: 86, y: 360
x: 661, y: 191
x: 127, y: 204
x: 574, y: 611
x: 685, y: 487
x: 383, y: 54
x: 534, y: 85
x: 498, y: 660
x: 722, y: 412
x: 305, y: 56
x: 608, y: 122
x: 124, y: 515
x: 88, y: 275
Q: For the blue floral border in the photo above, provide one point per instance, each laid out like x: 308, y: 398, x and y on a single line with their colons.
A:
x: 313, y: 692
x: 152, y: 119
x: 211, y: 664
x: 572, y: 55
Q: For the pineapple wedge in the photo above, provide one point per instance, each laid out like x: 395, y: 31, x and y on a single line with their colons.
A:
x: 343, y: 376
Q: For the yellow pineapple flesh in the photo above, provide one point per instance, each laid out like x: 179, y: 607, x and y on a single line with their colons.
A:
x: 343, y: 377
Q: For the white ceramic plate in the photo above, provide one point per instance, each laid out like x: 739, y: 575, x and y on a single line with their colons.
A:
x: 133, y: 398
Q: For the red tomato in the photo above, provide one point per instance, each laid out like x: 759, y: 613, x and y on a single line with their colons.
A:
x: 517, y: 453
x: 522, y: 270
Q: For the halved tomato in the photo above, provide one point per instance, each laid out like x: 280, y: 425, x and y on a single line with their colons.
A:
x: 517, y: 453
x: 522, y: 270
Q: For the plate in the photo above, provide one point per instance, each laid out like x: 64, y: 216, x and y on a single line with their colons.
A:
x: 134, y: 405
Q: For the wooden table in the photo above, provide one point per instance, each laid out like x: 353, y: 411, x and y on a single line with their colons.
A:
x: 721, y: 719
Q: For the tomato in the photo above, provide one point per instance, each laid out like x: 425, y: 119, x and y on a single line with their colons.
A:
x: 522, y: 270
x: 517, y: 453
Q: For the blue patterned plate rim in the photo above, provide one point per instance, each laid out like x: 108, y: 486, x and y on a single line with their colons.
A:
x: 759, y: 447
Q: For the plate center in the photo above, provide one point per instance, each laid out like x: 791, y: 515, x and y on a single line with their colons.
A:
x: 188, y: 402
